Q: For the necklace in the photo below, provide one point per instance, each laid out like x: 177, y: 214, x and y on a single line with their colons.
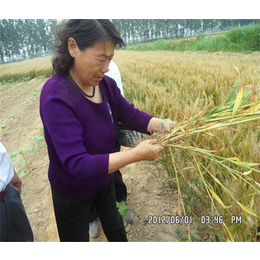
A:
x: 85, y: 94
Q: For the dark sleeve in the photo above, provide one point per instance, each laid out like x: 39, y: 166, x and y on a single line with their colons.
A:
x: 131, y: 117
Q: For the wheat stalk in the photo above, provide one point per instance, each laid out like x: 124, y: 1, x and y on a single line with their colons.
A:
x: 242, y: 107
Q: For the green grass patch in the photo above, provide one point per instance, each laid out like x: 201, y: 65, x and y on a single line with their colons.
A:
x: 244, y: 39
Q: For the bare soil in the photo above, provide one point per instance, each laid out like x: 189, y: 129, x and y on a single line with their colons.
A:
x: 149, y: 193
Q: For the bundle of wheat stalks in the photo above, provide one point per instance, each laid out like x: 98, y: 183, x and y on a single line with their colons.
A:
x: 227, y: 185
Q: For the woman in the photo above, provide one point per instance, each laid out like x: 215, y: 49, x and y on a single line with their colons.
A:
x: 80, y: 109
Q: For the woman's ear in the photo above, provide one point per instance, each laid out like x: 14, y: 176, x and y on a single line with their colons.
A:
x: 72, y: 46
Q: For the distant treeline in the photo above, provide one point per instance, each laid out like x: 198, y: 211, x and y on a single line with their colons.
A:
x: 28, y: 38
x: 143, y: 30
x: 242, y: 39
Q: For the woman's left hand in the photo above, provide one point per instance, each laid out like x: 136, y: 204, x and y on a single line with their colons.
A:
x: 166, y: 125
x: 160, y: 125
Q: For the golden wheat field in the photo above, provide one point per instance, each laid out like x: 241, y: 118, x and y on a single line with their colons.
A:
x: 177, y: 85
x: 167, y: 85
x: 175, y: 79
x: 25, y: 70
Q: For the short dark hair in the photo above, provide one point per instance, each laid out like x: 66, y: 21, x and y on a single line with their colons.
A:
x: 86, y: 32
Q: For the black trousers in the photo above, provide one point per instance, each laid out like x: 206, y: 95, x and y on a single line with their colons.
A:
x: 14, y: 224
x: 73, y: 215
x: 120, y: 187
x: 121, y: 193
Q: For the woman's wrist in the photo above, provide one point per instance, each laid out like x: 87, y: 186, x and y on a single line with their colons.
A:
x: 161, y: 124
x: 121, y: 159
x: 156, y: 125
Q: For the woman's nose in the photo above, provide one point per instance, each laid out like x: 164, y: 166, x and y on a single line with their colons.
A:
x: 105, y: 68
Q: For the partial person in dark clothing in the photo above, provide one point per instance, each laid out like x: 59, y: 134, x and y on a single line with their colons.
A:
x: 80, y: 109
x: 14, y: 224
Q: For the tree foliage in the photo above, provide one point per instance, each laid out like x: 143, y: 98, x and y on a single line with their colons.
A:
x: 141, y: 30
x: 28, y: 38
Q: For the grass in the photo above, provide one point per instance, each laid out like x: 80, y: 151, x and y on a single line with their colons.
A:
x: 244, y: 39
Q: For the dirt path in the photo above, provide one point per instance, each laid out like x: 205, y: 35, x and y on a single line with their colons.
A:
x: 148, y: 192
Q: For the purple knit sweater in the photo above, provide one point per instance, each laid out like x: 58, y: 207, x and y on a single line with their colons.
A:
x: 80, y: 134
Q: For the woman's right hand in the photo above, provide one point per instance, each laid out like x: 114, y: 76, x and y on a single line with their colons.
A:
x: 148, y: 150
x: 144, y: 151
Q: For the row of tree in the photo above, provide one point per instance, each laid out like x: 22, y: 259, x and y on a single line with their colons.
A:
x: 27, y: 38
x: 136, y: 30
